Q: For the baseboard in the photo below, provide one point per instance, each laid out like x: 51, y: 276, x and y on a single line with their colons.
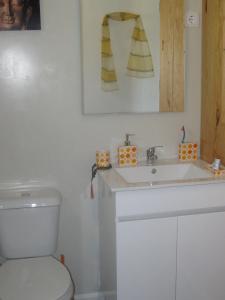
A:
x: 97, y: 296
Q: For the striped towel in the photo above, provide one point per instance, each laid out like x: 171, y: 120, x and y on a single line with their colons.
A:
x: 140, y: 63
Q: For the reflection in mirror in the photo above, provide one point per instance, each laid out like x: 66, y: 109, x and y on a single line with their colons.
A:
x: 121, y: 51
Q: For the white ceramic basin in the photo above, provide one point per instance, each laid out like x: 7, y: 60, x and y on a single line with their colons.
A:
x: 162, y: 173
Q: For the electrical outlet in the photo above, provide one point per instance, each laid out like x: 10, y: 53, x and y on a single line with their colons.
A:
x: 192, y: 19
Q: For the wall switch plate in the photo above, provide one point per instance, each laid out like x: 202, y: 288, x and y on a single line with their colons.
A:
x: 192, y: 19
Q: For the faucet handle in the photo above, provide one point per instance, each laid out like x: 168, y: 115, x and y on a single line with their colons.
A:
x: 154, y: 148
x: 151, y: 156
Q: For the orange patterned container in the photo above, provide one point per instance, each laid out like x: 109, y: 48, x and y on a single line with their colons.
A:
x: 188, y: 151
x: 103, y: 159
x: 220, y: 172
x: 127, y: 156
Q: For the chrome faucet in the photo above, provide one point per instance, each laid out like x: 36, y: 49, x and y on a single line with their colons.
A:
x: 151, y: 156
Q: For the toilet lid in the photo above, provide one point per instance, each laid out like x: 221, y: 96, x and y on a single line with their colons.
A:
x: 33, y: 279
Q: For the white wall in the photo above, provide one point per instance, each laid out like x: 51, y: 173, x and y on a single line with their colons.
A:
x: 43, y: 133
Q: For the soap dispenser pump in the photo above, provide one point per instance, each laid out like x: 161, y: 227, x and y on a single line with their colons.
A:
x: 127, y: 154
x: 127, y: 141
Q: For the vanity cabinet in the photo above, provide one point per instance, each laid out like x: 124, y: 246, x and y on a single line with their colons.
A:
x: 173, y: 258
x: 164, y: 243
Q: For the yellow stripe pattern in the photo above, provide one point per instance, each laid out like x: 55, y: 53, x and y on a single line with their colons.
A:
x: 140, y: 59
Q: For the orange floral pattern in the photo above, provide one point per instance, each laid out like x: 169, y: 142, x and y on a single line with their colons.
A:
x: 127, y: 156
x: 188, y: 151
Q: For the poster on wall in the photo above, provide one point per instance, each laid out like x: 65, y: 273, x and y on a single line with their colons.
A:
x: 20, y: 15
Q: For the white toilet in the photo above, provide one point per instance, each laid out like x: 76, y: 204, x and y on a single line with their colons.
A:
x: 28, y: 237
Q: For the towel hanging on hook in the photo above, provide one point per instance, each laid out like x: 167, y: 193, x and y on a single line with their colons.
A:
x: 140, y: 63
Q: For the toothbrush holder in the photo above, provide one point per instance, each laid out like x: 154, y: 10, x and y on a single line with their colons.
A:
x: 188, y: 151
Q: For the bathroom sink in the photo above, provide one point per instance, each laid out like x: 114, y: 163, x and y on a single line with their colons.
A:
x: 186, y: 171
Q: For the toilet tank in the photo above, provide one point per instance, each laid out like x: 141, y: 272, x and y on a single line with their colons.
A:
x: 29, y: 222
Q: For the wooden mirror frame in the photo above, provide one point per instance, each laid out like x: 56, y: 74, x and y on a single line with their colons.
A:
x: 172, y: 56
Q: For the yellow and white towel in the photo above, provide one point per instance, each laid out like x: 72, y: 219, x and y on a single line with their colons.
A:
x: 140, y: 63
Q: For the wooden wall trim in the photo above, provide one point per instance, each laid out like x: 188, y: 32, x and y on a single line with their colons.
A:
x: 172, y: 55
x: 213, y: 80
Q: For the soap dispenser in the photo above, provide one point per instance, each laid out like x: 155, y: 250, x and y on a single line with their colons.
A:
x: 127, y: 154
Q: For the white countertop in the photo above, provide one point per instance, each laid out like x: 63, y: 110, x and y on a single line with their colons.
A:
x: 116, y: 183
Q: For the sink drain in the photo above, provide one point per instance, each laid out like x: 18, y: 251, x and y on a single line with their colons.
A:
x: 154, y: 171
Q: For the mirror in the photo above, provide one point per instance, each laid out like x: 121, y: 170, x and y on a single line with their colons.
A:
x: 133, y: 56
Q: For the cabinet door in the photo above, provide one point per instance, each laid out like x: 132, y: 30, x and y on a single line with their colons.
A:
x: 146, y: 259
x: 201, y: 257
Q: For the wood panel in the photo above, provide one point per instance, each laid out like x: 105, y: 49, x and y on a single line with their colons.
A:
x: 172, y: 55
x: 213, y: 80
x: 220, y: 133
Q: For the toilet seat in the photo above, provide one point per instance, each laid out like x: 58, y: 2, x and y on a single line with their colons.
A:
x: 35, y: 278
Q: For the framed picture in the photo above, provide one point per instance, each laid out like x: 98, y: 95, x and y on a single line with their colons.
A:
x: 20, y: 15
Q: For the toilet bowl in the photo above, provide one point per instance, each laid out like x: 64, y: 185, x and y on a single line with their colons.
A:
x: 28, y: 239
x: 42, y: 278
